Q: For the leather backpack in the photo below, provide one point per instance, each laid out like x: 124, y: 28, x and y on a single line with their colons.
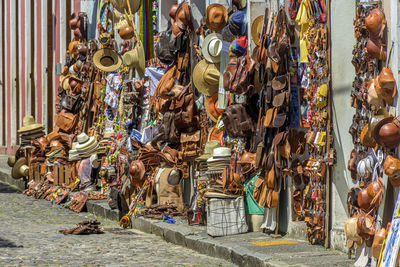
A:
x: 66, y: 121
x: 185, y: 110
x: 238, y: 75
x: 237, y: 122
x: 171, y: 135
x: 165, y: 47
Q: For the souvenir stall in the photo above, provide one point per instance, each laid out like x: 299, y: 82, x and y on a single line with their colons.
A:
x: 192, y: 122
x: 375, y: 136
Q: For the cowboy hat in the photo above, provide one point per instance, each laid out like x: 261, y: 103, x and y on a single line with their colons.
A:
x: 135, y: 58
x: 206, y: 77
x: 256, y: 28
x: 20, y: 169
x: 216, y: 17
x: 107, y: 60
x: 29, y: 124
x: 376, y: 22
x: 122, y: 5
x: 213, y: 112
x: 181, y: 18
x: 212, y: 47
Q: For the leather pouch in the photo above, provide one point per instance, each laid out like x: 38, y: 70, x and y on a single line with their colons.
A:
x: 281, y: 99
x: 279, y: 82
x: 270, y: 117
x: 279, y: 120
x: 66, y: 121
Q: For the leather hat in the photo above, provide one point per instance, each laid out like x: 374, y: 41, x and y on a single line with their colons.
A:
x: 211, y: 104
x: 248, y: 162
x: 364, y: 200
x: 256, y: 28
x: 107, y: 60
x: 181, y: 18
x: 392, y: 166
x: 135, y: 58
x: 387, y: 132
x: 373, y: 98
x: 20, y: 169
x: 385, y: 86
x: 375, y: 22
x: 376, y: 49
x: 206, y: 77
x: 137, y: 171
x: 216, y: 17
x: 212, y: 47
x: 29, y: 124
x: 122, y: 5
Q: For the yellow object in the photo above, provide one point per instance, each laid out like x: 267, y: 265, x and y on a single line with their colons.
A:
x: 274, y: 243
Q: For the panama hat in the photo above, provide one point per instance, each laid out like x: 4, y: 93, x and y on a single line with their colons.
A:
x: 256, y: 28
x: 216, y: 17
x: 213, y: 112
x: 29, y: 124
x: 212, y: 47
x: 221, y: 154
x: 208, y: 150
x: 135, y: 58
x: 20, y: 169
x: 206, y: 77
x: 107, y: 60
x: 122, y: 5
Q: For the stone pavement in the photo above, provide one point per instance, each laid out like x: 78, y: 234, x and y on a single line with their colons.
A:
x: 29, y: 237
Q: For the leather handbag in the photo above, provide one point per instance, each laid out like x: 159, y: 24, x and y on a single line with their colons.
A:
x: 190, y: 143
x: 171, y: 134
x: 66, y: 121
x: 238, y: 75
x: 185, y: 110
x: 260, y: 192
x: 379, y: 238
x: 237, y: 122
x: 71, y: 102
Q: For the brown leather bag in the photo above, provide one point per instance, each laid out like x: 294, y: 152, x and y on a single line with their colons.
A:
x: 171, y: 134
x: 238, y: 75
x: 66, y: 121
x: 185, y: 110
x: 237, y: 122
x: 379, y: 237
x: 260, y: 192
x: 190, y: 143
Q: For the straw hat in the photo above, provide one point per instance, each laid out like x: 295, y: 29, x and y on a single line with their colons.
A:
x: 216, y: 17
x: 20, y: 169
x: 206, y: 77
x: 208, y: 150
x: 107, y: 60
x: 29, y: 124
x: 212, y: 47
x: 135, y: 58
x: 256, y: 28
x: 220, y: 154
x: 85, y: 143
x: 213, y: 112
x: 122, y: 5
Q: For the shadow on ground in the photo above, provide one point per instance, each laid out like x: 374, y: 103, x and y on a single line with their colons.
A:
x: 6, y: 189
x: 4, y: 243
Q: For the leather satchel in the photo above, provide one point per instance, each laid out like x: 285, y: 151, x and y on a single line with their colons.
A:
x: 71, y: 102
x: 190, y: 146
x: 238, y: 75
x: 185, y: 110
x: 66, y: 121
x: 171, y: 134
x: 237, y: 122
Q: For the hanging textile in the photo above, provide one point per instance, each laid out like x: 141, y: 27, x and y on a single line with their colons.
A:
x: 146, y: 27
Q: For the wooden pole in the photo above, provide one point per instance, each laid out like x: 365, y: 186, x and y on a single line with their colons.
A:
x: 328, y: 143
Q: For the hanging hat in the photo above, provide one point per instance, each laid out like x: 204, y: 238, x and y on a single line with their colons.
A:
x: 135, y: 58
x: 206, y: 77
x: 212, y: 47
x: 20, y: 169
x: 107, y: 60
x: 213, y: 112
x: 137, y: 171
x: 387, y: 132
x: 239, y: 47
x: 256, y: 28
x: 122, y: 5
x: 181, y: 18
x: 240, y: 4
x: 29, y: 124
x: 373, y: 98
x: 385, y: 86
x: 85, y: 143
x: 227, y: 34
x: 216, y: 17
x: 376, y: 22
x: 237, y: 23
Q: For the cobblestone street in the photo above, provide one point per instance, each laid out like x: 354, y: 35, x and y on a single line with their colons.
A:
x: 29, y: 237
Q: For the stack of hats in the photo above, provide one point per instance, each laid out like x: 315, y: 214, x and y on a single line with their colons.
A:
x: 57, y: 153
x: 202, y: 166
x: 29, y: 131
x: 73, y: 153
x: 86, y: 146
x: 220, y: 159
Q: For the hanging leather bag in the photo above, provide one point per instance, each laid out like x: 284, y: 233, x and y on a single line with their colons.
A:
x: 66, y: 121
x: 237, y: 122
x: 238, y: 75
x: 185, y: 110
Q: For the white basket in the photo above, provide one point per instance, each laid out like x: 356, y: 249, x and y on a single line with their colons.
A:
x: 226, y: 216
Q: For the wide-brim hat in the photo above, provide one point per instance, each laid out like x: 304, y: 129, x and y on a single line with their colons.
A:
x: 86, y: 145
x: 216, y: 17
x: 221, y: 154
x: 256, y: 28
x: 107, y: 60
x: 20, y: 168
x: 212, y: 47
x: 387, y: 132
x: 29, y: 124
x: 122, y: 5
x: 206, y: 77
x: 208, y: 150
x: 211, y: 104
x: 135, y: 58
